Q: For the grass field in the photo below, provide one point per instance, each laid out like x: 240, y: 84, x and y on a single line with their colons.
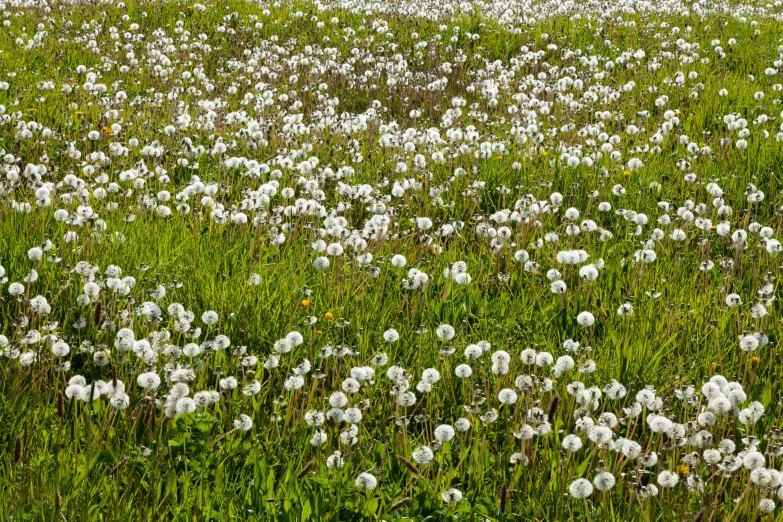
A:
x: 426, y: 260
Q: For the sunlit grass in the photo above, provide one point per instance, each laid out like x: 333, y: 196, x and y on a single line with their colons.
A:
x: 68, y: 459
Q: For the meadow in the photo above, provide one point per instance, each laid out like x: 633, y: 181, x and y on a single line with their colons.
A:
x: 352, y: 260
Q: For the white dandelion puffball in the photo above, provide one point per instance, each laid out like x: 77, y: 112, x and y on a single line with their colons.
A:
x: 733, y: 300
x: 243, y: 423
x: 580, y: 488
x: 423, y: 455
x: 507, y: 396
x: 444, y: 433
x: 209, y: 317
x: 451, y: 496
x: 321, y: 263
x: 604, y: 481
x: 463, y: 279
x: 366, y: 481
x: 391, y: 335
x: 398, y: 260
x: 585, y: 319
x: 148, y: 380
x: 445, y: 332
x: 667, y: 479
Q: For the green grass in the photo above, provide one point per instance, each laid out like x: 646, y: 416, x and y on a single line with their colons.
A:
x: 91, y: 461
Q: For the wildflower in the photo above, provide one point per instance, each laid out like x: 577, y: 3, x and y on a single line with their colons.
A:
x: 645, y: 397
x: 35, y: 254
x: 366, y: 481
x: 60, y: 349
x: 228, y: 383
x: 148, y: 380
x: 463, y: 371
x: 528, y: 356
x: 243, y: 423
x: 398, y: 261
x: 463, y: 279
x: 391, y: 335
x: 572, y: 443
x: 451, y: 496
x: 766, y: 505
x: 585, y: 319
x: 753, y: 460
x: 337, y: 461
x: 444, y: 433
x: 294, y: 382
x: 733, y: 300
x: 185, y: 405
x: 748, y: 343
x: 507, y: 396
x: 462, y: 424
x: 209, y: 317
x: 353, y: 416
x: 423, y: 455
x: 445, y: 332
x: 473, y: 352
x: 667, y: 479
x: 490, y: 416
x: 580, y: 488
x: 604, y: 481
x: 544, y: 359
